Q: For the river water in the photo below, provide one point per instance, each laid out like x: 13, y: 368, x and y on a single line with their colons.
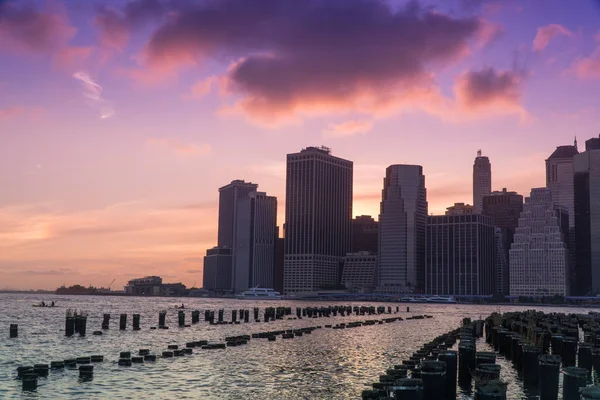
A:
x: 328, y: 364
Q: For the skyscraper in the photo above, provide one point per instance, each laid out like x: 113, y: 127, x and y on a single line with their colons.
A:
x: 229, y: 195
x: 459, y: 209
x: 504, y: 208
x: 217, y: 269
x: 460, y: 255
x: 318, y: 219
x: 539, y: 258
x: 365, y: 232
x: 482, y: 181
x: 559, y: 178
x: 256, y: 230
x: 587, y: 219
x: 402, y: 226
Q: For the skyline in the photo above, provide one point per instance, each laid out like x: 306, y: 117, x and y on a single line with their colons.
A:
x: 125, y: 183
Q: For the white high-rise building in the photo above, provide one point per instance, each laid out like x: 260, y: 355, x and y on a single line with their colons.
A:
x: 256, y: 231
x: 402, y: 229
x: 482, y: 181
x: 538, y: 258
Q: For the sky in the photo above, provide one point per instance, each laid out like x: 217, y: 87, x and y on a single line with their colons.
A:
x: 120, y: 120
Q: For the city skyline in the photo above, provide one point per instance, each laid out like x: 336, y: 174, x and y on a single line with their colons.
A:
x: 113, y: 143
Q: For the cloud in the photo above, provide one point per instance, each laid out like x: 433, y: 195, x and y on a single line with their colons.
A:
x: 204, y: 86
x: 182, y: 148
x: 546, y: 33
x: 71, y: 57
x: 194, y: 259
x: 194, y: 271
x: 490, y: 90
x: 60, y: 271
x: 348, y: 128
x: 290, y: 58
x: 27, y: 29
x: 588, y: 67
x: 93, y: 92
x: 115, y: 27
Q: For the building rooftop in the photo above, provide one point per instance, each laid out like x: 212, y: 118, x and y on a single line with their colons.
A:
x: 564, y: 152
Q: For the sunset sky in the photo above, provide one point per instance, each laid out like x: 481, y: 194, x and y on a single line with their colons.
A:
x: 120, y: 120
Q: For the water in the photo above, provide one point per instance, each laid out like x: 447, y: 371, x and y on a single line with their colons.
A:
x: 328, y: 364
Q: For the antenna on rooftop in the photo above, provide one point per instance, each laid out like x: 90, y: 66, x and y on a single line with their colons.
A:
x: 479, y: 153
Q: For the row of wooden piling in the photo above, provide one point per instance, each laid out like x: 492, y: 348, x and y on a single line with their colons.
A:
x: 29, y: 374
x: 76, y: 321
x: 542, y: 346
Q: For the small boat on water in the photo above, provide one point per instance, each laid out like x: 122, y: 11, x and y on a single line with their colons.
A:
x: 259, y: 294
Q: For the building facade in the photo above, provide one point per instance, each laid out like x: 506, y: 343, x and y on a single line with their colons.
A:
x: 587, y: 219
x: 255, y: 231
x: 460, y: 255
x: 502, y: 283
x: 365, y: 234
x: 559, y: 178
x: 482, y: 181
x: 358, y: 271
x: 318, y: 219
x: 217, y: 269
x: 539, y: 258
x: 460, y: 209
x: 229, y: 196
x: 504, y: 208
x: 402, y: 229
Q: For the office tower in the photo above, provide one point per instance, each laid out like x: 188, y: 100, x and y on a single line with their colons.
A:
x: 279, y: 258
x: 359, y: 271
x: 229, y: 195
x: 482, y: 181
x: 587, y: 219
x: 502, y: 283
x: 217, y: 269
x: 255, y: 233
x: 539, y: 258
x: 459, y: 209
x: 318, y: 219
x: 460, y: 255
x: 365, y: 233
x: 402, y: 226
x: 504, y: 208
x: 559, y: 178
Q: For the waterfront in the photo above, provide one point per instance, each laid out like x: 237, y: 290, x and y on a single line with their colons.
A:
x: 328, y: 364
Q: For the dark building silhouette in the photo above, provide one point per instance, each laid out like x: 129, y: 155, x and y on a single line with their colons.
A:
x: 279, y: 258
x: 504, y: 208
x: 586, y: 167
x: 217, y: 269
x: 482, y: 181
x: 365, y: 234
x: 402, y: 230
x: 229, y: 196
x: 318, y: 219
x: 460, y: 255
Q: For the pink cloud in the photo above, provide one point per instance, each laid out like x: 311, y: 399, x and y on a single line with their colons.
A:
x: 11, y: 112
x: 546, y: 33
x: 204, y: 86
x: 181, y: 148
x: 348, y: 128
x: 24, y: 28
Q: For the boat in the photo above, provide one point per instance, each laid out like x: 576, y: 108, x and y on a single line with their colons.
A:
x: 259, y: 294
x: 440, y: 299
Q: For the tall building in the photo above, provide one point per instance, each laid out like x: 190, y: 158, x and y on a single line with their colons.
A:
x: 460, y: 255
x: 482, y: 181
x: 217, y: 269
x: 359, y: 271
x: 318, y: 219
x: 255, y: 234
x: 279, y: 258
x: 587, y: 219
x: 365, y: 233
x: 502, y: 283
x: 229, y: 195
x: 559, y: 178
x: 402, y: 226
x: 539, y: 258
x: 459, y: 209
x: 504, y: 208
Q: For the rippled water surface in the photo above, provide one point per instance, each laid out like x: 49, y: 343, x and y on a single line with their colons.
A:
x: 328, y: 364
